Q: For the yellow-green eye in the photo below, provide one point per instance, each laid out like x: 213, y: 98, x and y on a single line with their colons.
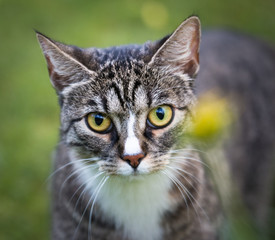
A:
x: 98, y: 122
x: 160, y: 116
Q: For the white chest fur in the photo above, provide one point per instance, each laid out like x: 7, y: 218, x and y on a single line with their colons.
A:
x: 137, y: 205
x: 134, y: 204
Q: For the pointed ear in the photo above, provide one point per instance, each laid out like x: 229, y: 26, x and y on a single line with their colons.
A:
x: 64, y: 68
x: 181, y: 50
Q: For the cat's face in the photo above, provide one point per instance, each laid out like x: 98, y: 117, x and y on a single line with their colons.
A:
x: 128, y: 124
x: 124, y: 108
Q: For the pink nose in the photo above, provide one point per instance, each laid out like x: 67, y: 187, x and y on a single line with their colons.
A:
x: 133, y: 160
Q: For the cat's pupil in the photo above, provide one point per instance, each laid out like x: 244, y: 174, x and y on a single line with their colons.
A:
x: 160, y: 113
x: 99, y: 119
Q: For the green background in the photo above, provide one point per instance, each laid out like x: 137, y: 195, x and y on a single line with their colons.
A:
x: 29, y: 110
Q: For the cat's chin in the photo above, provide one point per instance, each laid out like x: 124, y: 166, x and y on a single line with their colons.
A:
x: 134, y: 177
x: 137, y: 176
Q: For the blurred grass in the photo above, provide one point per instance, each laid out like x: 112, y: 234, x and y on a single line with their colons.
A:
x: 29, y: 110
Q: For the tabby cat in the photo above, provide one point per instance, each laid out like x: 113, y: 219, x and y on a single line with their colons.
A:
x: 123, y: 168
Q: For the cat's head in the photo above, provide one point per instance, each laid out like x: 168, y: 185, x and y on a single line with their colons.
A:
x: 125, y: 107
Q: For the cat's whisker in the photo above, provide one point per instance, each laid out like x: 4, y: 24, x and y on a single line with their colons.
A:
x: 90, y: 200
x: 187, y: 156
x: 89, y: 159
x: 74, y: 173
x: 194, y: 199
x: 188, y: 194
x: 183, y: 162
x: 177, y: 171
x: 191, y: 159
x: 108, y: 165
x: 70, y: 163
x: 92, y: 207
x: 86, y: 188
x: 182, y: 170
x: 192, y: 162
x: 180, y: 190
x: 187, y: 149
x: 91, y: 179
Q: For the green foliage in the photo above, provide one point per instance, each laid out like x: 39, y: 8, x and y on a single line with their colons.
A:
x: 29, y: 110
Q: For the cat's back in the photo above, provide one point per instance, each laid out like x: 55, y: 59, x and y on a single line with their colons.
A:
x: 235, y: 62
x: 242, y: 69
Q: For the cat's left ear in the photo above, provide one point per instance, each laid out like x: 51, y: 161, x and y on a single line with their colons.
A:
x: 181, y: 50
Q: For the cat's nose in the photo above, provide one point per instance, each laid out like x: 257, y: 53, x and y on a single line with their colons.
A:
x: 133, y: 160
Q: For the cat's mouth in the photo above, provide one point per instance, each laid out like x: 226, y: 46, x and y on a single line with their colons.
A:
x: 135, y: 176
x: 122, y: 168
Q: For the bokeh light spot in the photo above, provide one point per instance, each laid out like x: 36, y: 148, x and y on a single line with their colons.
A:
x: 154, y: 14
x: 213, y: 116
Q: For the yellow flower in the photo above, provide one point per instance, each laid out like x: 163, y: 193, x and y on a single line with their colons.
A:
x: 212, y: 116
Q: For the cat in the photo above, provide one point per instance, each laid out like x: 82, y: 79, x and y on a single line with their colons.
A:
x: 123, y: 169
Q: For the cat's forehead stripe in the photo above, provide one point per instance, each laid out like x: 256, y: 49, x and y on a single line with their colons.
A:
x: 105, y: 104
x: 140, y: 98
x: 135, y: 87
x: 114, y: 103
x: 119, y: 95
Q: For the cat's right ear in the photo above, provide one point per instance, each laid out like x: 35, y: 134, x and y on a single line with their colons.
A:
x: 64, y: 69
x: 180, y: 51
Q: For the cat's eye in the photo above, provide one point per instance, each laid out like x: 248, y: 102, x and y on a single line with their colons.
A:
x: 160, y: 116
x: 99, y: 122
